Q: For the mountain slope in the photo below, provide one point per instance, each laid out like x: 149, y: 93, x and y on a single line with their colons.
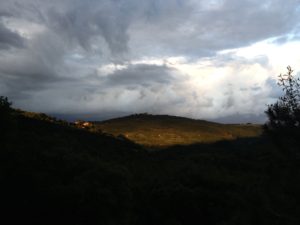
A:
x: 54, y: 173
x: 166, y: 131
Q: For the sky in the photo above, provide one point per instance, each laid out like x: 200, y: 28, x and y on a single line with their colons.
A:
x: 97, y: 59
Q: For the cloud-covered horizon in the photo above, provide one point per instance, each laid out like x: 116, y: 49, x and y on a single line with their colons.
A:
x: 202, y: 59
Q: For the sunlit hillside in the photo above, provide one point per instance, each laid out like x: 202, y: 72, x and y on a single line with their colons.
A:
x: 165, y: 131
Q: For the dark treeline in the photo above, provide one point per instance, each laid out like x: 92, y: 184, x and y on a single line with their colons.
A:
x: 54, y: 173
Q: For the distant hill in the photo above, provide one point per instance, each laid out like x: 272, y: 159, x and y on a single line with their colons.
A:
x: 166, y: 131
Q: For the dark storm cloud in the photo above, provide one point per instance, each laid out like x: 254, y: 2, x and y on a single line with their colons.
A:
x: 9, y: 39
x: 192, y: 28
x: 202, y: 30
x: 33, y: 67
x: 154, y: 84
x: 198, y: 28
x: 141, y: 75
x: 79, y: 22
x: 85, y: 21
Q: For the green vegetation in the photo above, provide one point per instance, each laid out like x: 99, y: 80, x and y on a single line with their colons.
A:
x: 165, y: 131
x: 284, y: 115
x: 52, y: 172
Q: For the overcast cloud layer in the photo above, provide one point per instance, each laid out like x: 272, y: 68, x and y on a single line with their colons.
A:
x: 213, y: 59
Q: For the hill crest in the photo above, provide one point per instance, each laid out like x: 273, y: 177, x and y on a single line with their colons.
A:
x: 165, y: 130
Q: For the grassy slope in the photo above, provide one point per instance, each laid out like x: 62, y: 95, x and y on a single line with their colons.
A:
x: 165, y: 131
x: 53, y: 173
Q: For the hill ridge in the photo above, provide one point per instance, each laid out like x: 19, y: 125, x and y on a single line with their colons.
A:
x: 166, y: 130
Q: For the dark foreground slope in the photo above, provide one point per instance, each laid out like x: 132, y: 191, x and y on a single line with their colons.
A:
x: 165, y: 131
x: 53, y: 173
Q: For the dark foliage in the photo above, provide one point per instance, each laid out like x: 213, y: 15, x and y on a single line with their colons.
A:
x: 284, y: 115
x: 5, y: 115
x: 4, y: 105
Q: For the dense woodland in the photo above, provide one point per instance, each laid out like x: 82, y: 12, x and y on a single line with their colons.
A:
x: 52, y: 172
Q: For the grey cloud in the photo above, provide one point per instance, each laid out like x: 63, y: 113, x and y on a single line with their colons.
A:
x: 152, y: 27
x: 294, y: 35
x: 137, y: 88
x: 256, y: 88
x: 141, y: 75
x: 275, y: 90
x: 197, y: 31
x: 239, y: 23
x: 86, y: 21
x: 33, y: 68
x: 221, y: 60
x: 281, y: 40
x: 9, y: 38
x: 243, y: 118
x: 79, y: 22
x: 230, y: 102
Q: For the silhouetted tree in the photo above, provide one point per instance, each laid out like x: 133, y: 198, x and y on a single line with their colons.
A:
x: 4, y: 105
x: 5, y: 115
x: 284, y: 115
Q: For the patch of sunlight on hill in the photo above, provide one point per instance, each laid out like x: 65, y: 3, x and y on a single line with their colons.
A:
x: 166, y: 131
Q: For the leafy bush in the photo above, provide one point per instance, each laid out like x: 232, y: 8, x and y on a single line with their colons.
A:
x: 284, y: 115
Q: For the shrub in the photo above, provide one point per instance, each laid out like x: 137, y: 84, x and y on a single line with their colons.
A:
x: 5, y: 115
x: 284, y: 115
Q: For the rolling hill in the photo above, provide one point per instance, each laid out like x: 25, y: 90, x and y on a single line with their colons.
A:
x: 164, y: 131
x: 53, y: 172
